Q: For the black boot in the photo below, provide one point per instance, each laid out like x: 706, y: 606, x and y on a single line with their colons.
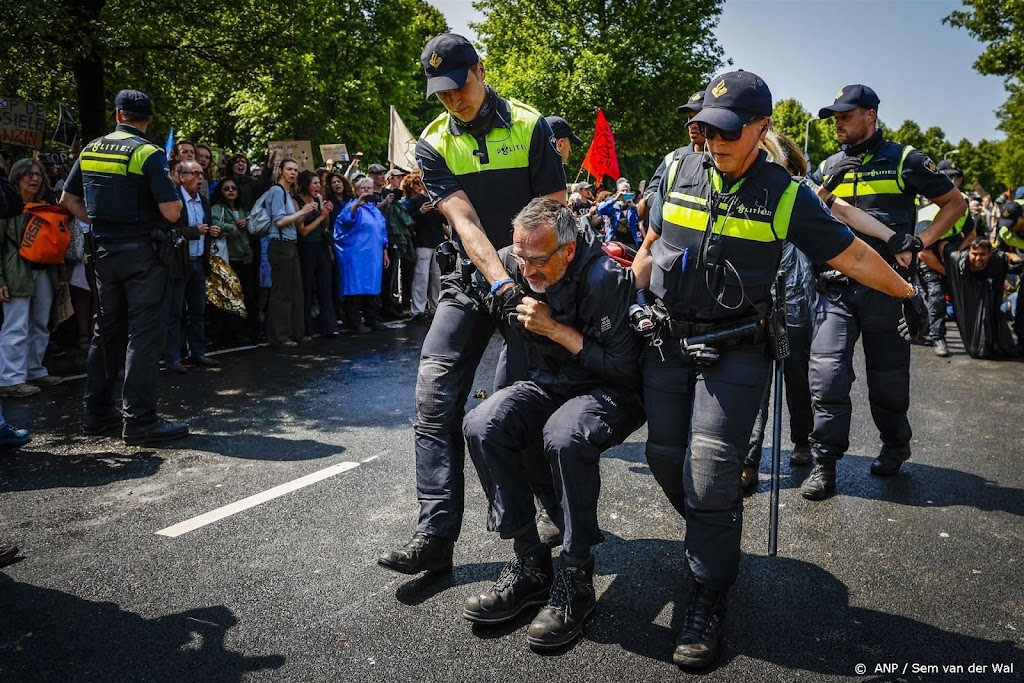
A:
x: 423, y: 553
x: 524, y: 582
x: 571, y: 602
x: 155, y: 431
x: 821, y: 483
x: 889, y: 461
x: 701, y: 636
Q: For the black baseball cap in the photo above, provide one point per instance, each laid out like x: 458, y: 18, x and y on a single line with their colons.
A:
x: 561, y: 128
x: 1011, y: 213
x: 446, y: 61
x: 694, y: 104
x: 733, y: 100
x: 851, y: 97
x: 133, y: 102
x: 949, y: 168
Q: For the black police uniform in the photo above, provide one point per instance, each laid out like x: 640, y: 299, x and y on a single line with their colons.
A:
x: 583, y: 404
x: 123, y: 177
x: 1007, y: 240
x: 885, y: 186
x: 713, y: 270
x: 500, y: 169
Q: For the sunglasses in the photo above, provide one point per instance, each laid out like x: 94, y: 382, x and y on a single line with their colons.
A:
x: 710, y: 132
x: 230, y: 188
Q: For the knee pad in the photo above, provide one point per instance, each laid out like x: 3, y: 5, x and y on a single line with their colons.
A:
x: 437, y: 395
x: 713, y: 474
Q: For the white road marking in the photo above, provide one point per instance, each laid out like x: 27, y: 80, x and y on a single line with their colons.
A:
x: 210, y: 353
x: 252, y: 501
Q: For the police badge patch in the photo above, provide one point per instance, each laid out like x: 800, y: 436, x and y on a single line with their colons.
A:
x: 930, y: 165
x: 554, y: 142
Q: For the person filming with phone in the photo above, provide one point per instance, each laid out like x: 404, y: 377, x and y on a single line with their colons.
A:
x: 624, y: 221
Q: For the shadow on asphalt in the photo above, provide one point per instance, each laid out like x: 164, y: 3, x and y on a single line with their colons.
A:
x: 425, y: 586
x: 785, y: 611
x: 28, y: 470
x: 50, y: 635
x: 917, y: 485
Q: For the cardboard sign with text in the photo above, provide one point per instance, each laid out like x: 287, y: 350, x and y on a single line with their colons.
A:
x: 335, y: 153
x: 300, y: 150
x: 21, y: 122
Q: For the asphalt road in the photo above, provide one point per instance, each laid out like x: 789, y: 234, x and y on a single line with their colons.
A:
x: 918, y: 571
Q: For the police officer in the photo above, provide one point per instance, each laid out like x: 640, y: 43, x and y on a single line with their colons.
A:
x: 931, y: 269
x: 564, y: 137
x: 710, y: 260
x: 1010, y: 237
x: 690, y: 108
x: 482, y: 160
x: 582, y: 398
x: 119, y: 184
x: 883, y: 179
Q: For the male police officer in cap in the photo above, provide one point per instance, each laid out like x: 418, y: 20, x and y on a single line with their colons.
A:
x: 711, y: 258
x: 482, y: 160
x: 1010, y: 237
x: 882, y: 178
x: 119, y: 184
x: 931, y: 266
x: 690, y: 108
x: 582, y: 397
x: 564, y: 137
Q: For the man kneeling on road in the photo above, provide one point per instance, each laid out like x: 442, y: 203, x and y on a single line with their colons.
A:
x: 582, y: 397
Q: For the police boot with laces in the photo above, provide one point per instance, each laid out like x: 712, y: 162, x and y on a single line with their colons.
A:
x: 523, y: 583
x: 821, y: 483
x: 571, y: 602
x: 423, y: 553
x: 701, y: 636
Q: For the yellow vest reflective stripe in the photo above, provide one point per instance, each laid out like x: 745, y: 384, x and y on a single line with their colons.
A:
x: 873, y: 181
x: 1010, y: 238
x: 507, y: 148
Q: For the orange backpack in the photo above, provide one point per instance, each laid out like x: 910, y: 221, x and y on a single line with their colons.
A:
x: 47, y: 234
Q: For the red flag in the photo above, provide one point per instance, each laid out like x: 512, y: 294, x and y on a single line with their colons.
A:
x: 601, y: 159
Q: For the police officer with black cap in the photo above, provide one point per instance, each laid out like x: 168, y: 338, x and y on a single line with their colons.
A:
x: 120, y: 185
x: 883, y: 179
x: 482, y: 160
x: 931, y: 269
x: 690, y: 108
x: 711, y: 258
x: 1010, y: 237
x: 564, y: 137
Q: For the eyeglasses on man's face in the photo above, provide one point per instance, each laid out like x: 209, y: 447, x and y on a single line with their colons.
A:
x: 536, y: 261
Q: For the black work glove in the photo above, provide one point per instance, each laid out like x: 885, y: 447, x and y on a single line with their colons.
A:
x: 915, y: 317
x: 900, y: 243
x: 503, y: 305
x: 844, y: 166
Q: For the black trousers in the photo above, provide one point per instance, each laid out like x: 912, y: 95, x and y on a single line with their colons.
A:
x: 317, y: 272
x: 284, y: 306
x: 842, y: 315
x: 458, y: 335
x: 574, y: 429
x: 132, y: 285
x: 933, y: 288
x: 699, y: 421
x: 798, y: 396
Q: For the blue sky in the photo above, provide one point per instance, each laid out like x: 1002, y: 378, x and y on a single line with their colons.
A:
x: 920, y: 68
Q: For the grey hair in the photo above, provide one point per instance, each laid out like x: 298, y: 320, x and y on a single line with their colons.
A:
x: 365, y: 180
x: 22, y: 168
x: 544, y: 211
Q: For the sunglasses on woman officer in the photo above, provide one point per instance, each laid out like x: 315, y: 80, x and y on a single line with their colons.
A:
x: 710, y: 132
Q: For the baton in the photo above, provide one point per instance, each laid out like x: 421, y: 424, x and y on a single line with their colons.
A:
x: 773, y: 515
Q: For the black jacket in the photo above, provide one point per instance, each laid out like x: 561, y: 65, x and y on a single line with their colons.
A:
x: 593, y: 297
x: 191, y: 233
x: 10, y: 199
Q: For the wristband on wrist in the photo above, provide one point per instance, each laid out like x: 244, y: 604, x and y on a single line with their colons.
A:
x: 498, y: 284
x: 910, y: 294
x: 830, y: 201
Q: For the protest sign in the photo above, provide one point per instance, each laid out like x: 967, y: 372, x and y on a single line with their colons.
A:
x: 300, y: 150
x: 21, y: 122
x: 335, y: 153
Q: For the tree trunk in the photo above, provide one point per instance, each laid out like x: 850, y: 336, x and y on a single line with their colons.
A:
x: 89, y: 78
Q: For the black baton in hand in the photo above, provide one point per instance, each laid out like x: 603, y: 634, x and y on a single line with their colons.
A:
x: 773, y: 515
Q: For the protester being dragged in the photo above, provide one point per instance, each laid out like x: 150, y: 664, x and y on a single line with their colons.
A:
x: 360, y: 245
x: 975, y: 276
x: 229, y: 215
x: 430, y: 230
x: 315, y: 258
x: 26, y: 289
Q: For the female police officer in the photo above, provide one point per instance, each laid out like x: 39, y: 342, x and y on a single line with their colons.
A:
x: 711, y: 257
